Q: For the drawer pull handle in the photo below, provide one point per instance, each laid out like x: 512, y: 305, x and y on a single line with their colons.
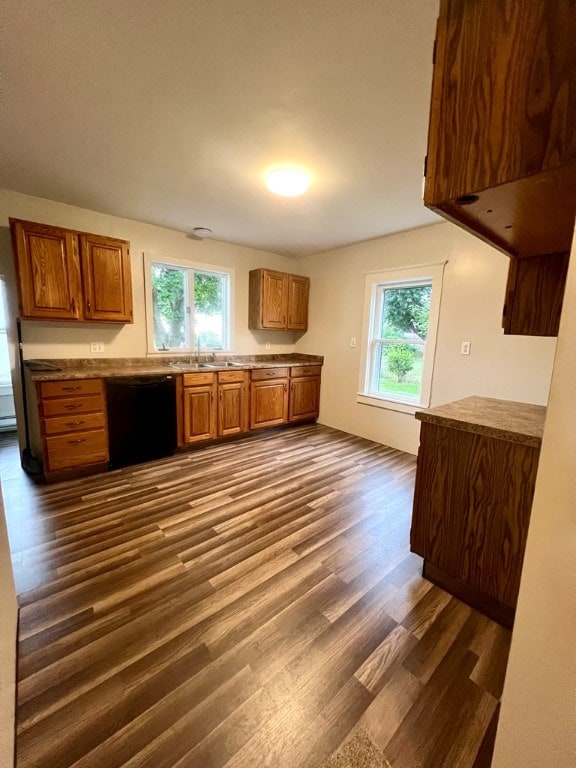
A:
x: 70, y: 389
x: 73, y: 406
x: 74, y: 423
x: 75, y: 442
x: 270, y: 373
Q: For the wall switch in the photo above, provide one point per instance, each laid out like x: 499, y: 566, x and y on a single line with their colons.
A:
x: 465, y: 347
x: 96, y: 346
x: 267, y: 345
x: 353, y: 341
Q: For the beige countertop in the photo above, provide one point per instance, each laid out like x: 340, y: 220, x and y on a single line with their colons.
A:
x: 94, y: 368
x: 503, y: 419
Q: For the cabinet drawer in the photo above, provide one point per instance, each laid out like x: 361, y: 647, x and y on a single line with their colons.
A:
x: 305, y: 370
x: 82, y: 448
x: 230, y: 377
x: 70, y: 387
x: 261, y: 374
x: 67, y: 405
x: 194, y: 379
x: 58, y: 425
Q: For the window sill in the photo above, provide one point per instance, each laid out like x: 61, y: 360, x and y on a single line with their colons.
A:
x: 379, y: 401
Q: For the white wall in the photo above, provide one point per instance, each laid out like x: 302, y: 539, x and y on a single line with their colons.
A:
x: 508, y: 367
x: 537, y: 724
x: 56, y: 339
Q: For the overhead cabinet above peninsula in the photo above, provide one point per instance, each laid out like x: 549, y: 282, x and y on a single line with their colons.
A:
x: 501, y: 157
x: 69, y: 275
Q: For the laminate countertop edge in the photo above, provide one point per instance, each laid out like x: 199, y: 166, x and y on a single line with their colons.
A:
x: 500, y: 419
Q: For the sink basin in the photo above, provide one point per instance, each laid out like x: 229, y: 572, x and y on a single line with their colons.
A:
x: 189, y: 366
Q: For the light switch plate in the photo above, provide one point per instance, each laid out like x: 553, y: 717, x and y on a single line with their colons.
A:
x: 96, y: 346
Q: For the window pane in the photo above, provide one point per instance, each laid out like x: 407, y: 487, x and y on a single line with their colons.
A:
x: 405, y: 312
x: 169, y: 307
x: 209, y: 292
x: 399, y: 370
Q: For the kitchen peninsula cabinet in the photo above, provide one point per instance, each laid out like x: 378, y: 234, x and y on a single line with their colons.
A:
x: 304, y: 392
x: 67, y: 275
x: 73, y: 424
x: 501, y: 158
x: 278, y: 300
x: 475, y: 481
x: 269, y: 398
x: 233, y: 402
x: 199, y: 412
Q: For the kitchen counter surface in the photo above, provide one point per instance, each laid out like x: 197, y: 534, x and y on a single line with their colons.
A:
x: 503, y: 419
x: 93, y: 368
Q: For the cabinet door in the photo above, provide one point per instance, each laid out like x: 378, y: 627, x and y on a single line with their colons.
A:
x: 298, y: 291
x: 48, y: 268
x: 107, y: 279
x: 268, y: 403
x: 274, y: 299
x: 232, y: 408
x: 304, y: 398
x: 199, y: 413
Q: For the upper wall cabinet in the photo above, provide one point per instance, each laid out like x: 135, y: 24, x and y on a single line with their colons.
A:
x: 68, y: 275
x: 278, y: 301
x: 502, y: 140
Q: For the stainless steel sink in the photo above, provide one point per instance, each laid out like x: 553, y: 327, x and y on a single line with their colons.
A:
x: 189, y: 366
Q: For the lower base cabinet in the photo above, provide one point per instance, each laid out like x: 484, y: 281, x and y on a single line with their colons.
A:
x: 304, y: 393
x: 73, y: 424
x: 233, y: 410
x: 269, y: 397
x: 199, y: 407
x: 472, y: 503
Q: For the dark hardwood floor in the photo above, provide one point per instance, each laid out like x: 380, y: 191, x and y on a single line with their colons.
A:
x: 245, y: 605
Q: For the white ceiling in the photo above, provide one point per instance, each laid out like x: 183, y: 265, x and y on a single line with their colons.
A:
x: 168, y: 111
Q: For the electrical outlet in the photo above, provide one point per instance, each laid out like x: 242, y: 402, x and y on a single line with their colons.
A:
x: 96, y: 346
x: 353, y: 341
x: 267, y: 345
x: 465, y: 347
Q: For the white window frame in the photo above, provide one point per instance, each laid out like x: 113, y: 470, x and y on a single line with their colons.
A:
x: 431, y: 274
x: 191, y: 267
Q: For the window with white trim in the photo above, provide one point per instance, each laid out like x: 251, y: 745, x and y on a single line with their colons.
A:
x: 187, y: 306
x: 401, y: 319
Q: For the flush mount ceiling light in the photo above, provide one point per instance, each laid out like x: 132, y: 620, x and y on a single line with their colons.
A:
x: 287, y: 180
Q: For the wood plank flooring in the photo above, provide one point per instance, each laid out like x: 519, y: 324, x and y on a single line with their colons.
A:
x: 245, y: 605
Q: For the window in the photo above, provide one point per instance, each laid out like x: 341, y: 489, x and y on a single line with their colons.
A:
x: 401, y: 317
x: 188, y: 305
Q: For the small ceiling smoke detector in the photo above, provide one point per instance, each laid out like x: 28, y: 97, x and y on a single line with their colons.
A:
x: 201, y: 232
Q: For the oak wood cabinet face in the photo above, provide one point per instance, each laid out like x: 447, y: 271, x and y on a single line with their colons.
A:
x: 107, y: 279
x: 199, y: 413
x: 472, y: 502
x: 268, y: 403
x: 48, y: 269
x: 298, y: 295
x: 68, y: 275
x: 233, y: 404
x: 73, y: 424
x: 304, y: 398
x: 278, y: 300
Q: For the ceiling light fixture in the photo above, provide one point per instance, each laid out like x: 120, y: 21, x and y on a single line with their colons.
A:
x: 287, y: 180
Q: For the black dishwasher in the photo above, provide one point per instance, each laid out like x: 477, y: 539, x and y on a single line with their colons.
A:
x: 141, y: 418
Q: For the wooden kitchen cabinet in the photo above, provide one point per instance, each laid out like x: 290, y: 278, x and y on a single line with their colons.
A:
x: 304, y: 393
x: 73, y: 424
x: 502, y: 136
x: 233, y: 402
x: 199, y: 412
x: 475, y: 480
x: 269, y: 398
x: 68, y: 275
x: 278, y: 300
